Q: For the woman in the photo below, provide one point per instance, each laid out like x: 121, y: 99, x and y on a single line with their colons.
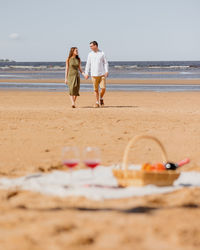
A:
x: 72, y: 77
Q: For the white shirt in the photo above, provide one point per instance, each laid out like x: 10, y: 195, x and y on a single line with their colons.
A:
x: 96, y: 63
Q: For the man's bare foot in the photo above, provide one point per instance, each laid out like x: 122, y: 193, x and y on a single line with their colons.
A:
x: 96, y: 105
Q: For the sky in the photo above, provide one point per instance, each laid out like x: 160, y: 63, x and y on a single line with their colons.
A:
x: 126, y: 30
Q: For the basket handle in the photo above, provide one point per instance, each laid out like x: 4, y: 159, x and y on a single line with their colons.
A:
x: 136, y: 139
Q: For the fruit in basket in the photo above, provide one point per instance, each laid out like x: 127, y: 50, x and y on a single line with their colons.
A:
x: 153, y: 167
x: 163, y: 167
x: 155, y: 174
x: 146, y: 166
x: 159, y: 167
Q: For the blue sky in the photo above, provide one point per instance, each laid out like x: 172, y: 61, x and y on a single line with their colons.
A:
x: 44, y: 30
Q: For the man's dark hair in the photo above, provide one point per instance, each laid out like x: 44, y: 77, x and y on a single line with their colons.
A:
x: 94, y: 43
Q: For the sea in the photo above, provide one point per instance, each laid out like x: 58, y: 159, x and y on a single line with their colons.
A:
x: 117, y: 70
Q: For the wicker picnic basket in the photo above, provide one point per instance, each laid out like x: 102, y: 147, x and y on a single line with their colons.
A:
x: 128, y: 177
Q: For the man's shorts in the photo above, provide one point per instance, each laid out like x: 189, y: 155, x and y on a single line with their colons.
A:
x: 99, y: 81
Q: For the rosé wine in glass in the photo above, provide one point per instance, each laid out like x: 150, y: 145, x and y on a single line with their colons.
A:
x: 91, y: 158
x: 70, y: 163
x: 92, y: 164
x: 70, y: 159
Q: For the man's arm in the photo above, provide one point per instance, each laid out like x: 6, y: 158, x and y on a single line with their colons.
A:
x: 105, y: 65
x: 87, y: 67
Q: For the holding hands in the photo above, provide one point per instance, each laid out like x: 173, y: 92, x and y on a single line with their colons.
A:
x: 85, y: 76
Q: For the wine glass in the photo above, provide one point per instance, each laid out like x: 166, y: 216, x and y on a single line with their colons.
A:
x: 70, y: 158
x: 91, y: 158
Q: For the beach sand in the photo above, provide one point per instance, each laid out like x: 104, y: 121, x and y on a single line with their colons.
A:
x: 174, y: 81
x: 35, y: 126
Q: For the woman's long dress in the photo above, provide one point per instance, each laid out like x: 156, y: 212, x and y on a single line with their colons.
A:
x: 73, y: 77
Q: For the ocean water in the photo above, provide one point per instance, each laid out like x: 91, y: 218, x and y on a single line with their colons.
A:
x: 117, y: 69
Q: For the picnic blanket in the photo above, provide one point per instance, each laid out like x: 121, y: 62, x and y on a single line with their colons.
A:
x: 97, y: 186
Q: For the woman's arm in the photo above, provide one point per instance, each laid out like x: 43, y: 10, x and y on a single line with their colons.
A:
x: 66, y: 70
x: 80, y: 68
x: 87, y: 67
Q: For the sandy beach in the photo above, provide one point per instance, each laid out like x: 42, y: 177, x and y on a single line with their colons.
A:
x: 146, y: 54
x: 109, y: 81
x: 36, y: 125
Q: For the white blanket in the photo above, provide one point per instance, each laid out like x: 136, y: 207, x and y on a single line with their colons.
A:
x: 97, y: 186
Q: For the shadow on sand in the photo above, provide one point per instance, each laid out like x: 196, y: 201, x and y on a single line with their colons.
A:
x: 90, y: 107
x: 133, y: 210
x: 138, y: 209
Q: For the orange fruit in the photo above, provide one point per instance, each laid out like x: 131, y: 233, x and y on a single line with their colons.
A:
x: 145, y: 166
x: 159, y: 167
x: 148, y: 167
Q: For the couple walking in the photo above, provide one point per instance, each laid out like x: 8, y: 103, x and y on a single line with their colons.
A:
x: 96, y: 64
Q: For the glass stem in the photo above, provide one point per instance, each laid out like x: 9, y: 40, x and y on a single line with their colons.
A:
x: 93, y: 176
x: 70, y: 177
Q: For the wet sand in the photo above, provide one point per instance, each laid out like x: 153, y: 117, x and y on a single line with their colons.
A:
x: 110, y: 81
x: 36, y: 125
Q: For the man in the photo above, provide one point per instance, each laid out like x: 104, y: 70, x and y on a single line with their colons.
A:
x: 98, y: 65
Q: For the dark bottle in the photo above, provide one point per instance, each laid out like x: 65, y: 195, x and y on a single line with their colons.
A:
x: 171, y: 166
x: 174, y: 166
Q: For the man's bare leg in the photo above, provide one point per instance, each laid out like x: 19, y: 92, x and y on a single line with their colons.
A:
x: 103, y: 90
x: 97, y: 98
